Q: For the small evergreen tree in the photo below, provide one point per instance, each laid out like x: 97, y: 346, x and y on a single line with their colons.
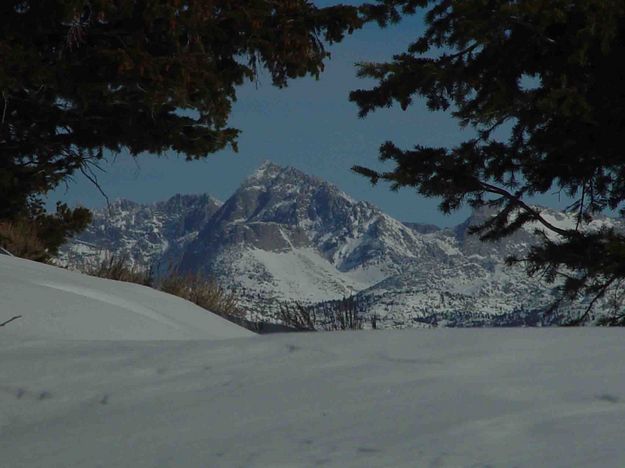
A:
x: 553, y: 71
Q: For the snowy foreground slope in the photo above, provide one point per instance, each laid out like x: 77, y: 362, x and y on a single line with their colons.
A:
x: 56, y: 303
x: 414, y: 398
x: 103, y: 374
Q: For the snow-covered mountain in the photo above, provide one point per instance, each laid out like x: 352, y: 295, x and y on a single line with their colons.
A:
x: 146, y: 233
x: 287, y: 236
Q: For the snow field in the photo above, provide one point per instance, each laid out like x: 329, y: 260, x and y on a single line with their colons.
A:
x: 413, y: 398
x: 98, y: 373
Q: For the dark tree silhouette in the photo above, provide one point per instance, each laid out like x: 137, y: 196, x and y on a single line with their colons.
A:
x: 79, y: 78
x: 553, y: 72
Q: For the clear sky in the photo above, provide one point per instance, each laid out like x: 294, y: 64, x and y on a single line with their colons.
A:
x: 310, y: 125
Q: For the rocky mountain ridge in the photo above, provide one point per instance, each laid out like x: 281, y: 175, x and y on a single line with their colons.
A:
x: 287, y: 236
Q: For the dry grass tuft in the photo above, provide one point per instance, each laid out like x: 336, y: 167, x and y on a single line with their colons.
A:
x: 203, y: 291
x: 22, y: 240
x: 194, y: 287
x: 118, y: 267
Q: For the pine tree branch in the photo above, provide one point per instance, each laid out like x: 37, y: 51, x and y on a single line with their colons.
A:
x: 462, y: 52
x: 517, y: 201
x: 604, y: 288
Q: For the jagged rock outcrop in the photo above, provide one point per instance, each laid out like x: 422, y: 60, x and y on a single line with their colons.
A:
x: 145, y: 233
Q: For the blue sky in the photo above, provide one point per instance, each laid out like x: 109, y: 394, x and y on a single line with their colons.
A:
x: 310, y: 125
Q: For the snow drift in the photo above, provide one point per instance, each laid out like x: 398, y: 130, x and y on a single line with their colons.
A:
x: 59, y: 304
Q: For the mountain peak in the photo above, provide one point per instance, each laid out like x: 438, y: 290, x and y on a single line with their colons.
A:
x: 266, y: 170
x: 270, y: 174
x: 187, y: 200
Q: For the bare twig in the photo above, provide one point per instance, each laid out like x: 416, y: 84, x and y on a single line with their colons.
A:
x: 580, y: 213
x: 4, y: 109
x: 86, y: 170
x: 533, y: 28
x: 10, y: 320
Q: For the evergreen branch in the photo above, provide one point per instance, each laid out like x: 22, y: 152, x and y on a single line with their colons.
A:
x: 603, y: 289
x: 460, y: 53
x: 517, y: 201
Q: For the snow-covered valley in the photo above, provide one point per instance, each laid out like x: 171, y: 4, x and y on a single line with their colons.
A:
x: 126, y: 376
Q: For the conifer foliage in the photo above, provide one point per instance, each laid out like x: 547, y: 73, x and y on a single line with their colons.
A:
x: 79, y: 78
x: 552, y: 72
